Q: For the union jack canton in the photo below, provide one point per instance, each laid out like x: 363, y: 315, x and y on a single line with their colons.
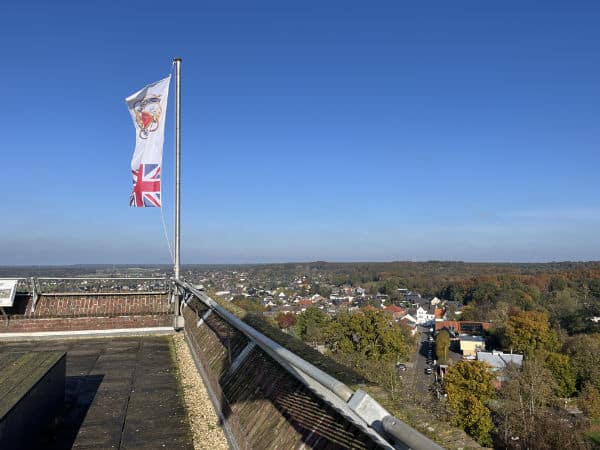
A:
x: 146, y: 186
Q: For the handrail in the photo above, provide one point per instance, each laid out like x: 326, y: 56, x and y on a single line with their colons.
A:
x: 101, y: 294
x: 358, y: 407
x: 101, y: 278
x: 37, y: 291
x: 86, y: 278
x: 269, y: 345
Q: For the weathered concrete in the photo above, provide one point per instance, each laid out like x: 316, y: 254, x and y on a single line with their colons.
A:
x: 121, y: 393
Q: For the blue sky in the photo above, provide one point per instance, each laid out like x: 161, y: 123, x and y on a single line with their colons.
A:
x: 311, y: 130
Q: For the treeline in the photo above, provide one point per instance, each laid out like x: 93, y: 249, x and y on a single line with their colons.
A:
x: 570, y: 299
x: 429, y: 278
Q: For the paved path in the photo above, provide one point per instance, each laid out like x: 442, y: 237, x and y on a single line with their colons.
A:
x: 421, y: 381
x: 121, y: 393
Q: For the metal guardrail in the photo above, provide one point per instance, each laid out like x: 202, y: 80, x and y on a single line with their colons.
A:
x: 101, y: 278
x: 358, y: 407
x: 36, y: 287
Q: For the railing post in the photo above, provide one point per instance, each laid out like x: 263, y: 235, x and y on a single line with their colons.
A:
x: 178, y: 321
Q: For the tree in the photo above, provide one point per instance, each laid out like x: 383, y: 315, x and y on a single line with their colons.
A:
x: 311, y: 325
x: 469, y: 385
x: 589, y: 401
x: 584, y: 350
x: 562, y: 370
x: 524, y: 397
x: 470, y: 312
x: 251, y: 306
x: 527, y: 331
x: 286, y: 320
x: 442, y: 344
x: 369, y: 333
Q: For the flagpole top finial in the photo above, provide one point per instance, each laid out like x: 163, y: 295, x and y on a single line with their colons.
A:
x: 177, y: 59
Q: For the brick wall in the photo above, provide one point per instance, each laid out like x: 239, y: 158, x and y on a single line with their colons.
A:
x: 84, y: 323
x: 90, y: 305
x: 87, y: 312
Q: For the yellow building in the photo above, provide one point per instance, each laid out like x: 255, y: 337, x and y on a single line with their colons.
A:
x: 470, y: 345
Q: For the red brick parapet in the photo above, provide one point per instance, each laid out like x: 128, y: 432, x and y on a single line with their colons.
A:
x: 87, y: 312
x: 70, y: 305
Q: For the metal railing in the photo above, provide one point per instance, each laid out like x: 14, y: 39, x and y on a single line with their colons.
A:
x: 37, y: 285
x: 356, y: 406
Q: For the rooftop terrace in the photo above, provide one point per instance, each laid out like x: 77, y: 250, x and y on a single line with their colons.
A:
x: 121, y: 393
x: 126, y: 392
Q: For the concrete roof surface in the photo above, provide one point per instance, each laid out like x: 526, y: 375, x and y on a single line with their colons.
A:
x: 121, y: 393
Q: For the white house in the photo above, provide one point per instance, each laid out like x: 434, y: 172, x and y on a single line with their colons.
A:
x: 423, y: 317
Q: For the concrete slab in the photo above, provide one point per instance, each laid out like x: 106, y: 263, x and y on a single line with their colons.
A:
x: 121, y: 393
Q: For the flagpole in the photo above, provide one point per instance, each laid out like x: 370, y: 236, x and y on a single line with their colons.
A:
x: 177, y: 62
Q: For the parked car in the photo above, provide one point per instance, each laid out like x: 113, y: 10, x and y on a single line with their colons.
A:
x: 428, y: 370
x: 401, y: 367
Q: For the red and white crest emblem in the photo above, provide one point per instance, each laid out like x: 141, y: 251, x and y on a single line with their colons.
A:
x: 147, y: 115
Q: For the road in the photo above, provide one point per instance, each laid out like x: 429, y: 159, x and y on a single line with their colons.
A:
x: 421, y: 380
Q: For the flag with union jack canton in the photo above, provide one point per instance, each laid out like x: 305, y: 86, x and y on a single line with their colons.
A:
x: 148, y: 109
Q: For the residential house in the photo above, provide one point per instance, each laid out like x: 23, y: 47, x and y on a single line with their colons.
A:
x: 498, y: 361
x: 413, y: 298
x: 423, y: 316
x: 466, y: 327
x: 470, y: 345
x: 409, y: 321
x: 382, y: 297
x: 395, y: 311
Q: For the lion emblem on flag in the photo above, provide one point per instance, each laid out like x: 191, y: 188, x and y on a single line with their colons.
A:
x: 147, y: 115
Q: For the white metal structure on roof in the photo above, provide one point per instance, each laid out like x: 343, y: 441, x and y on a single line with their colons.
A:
x: 8, y: 288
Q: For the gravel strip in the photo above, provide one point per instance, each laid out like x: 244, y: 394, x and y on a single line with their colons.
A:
x: 206, y: 430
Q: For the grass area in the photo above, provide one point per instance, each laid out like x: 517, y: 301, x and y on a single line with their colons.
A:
x: 594, y: 436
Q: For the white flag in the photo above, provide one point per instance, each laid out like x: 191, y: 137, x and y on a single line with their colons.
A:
x: 148, y: 109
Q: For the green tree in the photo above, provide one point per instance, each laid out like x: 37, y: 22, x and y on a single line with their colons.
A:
x: 471, y: 312
x: 311, y: 325
x: 584, y: 350
x: 527, y: 331
x: 442, y: 344
x: 562, y: 370
x: 250, y: 305
x: 469, y: 385
x: 369, y: 333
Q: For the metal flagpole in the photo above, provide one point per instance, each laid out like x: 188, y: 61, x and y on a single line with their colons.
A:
x: 177, y: 62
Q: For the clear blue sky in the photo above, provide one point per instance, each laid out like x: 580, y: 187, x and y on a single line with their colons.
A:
x: 311, y: 130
